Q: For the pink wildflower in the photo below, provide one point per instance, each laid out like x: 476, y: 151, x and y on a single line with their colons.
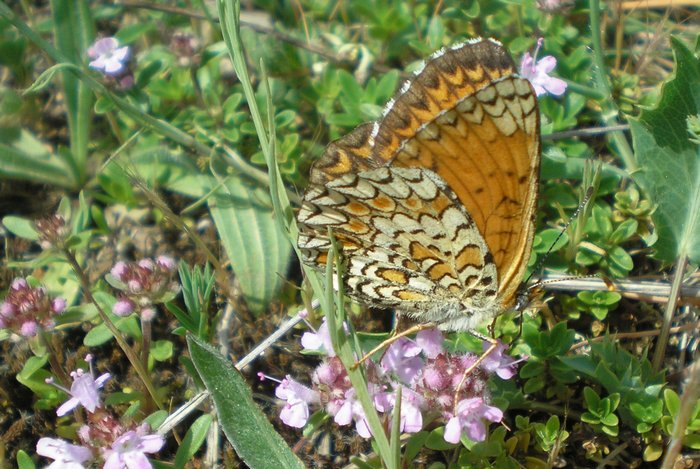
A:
x: 52, y: 231
x: 430, y: 341
x: 469, y: 419
x: 537, y: 71
x: 297, y: 397
x: 143, y: 284
x: 402, y: 357
x: 497, y: 362
x: 123, y: 307
x: 319, y: 340
x: 64, y: 454
x: 412, y: 404
x: 84, y: 390
x: 129, y: 450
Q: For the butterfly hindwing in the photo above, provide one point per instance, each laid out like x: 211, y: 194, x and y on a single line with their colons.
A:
x: 418, y: 246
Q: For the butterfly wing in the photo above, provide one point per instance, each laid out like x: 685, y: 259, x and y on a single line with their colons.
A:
x: 408, y: 241
x: 469, y: 118
x: 472, y: 120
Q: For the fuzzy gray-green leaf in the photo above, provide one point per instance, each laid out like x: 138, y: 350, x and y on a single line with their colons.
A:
x: 255, y: 440
x: 670, y: 162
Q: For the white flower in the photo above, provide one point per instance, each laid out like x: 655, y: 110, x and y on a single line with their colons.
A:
x: 108, y: 57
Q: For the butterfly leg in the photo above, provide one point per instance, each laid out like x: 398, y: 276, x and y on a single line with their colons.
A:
x: 493, y: 344
x: 391, y: 340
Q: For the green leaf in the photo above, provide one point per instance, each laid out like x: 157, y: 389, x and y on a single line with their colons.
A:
x: 653, y: 452
x: 349, y: 86
x: 614, y: 399
x: 387, y: 84
x: 99, y: 334
x: 193, y: 440
x: 33, y: 375
x: 610, y: 430
x: 414, y: 444
x: 624, y: 231
x: 74, y: 30
x: 162, y: 350
x: 103, y: 105
x: 588, y: 417
x: 532, y: 369
x: 643, y: 427
x: 534, y: 384
x: 621, y: 259
x: 24, y: 461
x: 22, y: 156
x: 553, y: 426
x: 156, y: 419
x: 669, y: 163
x: 673, y: 402
x: 21, y: 227
x: 259, y: 252
x: 436, y: 440
x: 131, y: 33
x: 546, y: 240
x: 245, y: 426
x: 610, y: 420
x: 692, y: 442
x: 592, y: 399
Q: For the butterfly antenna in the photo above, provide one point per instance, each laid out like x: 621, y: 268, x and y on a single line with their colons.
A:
x: 581, y: 206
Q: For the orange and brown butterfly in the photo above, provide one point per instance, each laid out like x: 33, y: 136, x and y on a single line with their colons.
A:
x: 434, y: 204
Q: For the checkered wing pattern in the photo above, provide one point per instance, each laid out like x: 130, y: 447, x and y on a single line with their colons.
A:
x: 434, y: 203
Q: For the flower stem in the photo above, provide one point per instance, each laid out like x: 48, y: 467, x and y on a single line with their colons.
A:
x: 145, y: 341
x: 130, y: 355
x: 58, y: 371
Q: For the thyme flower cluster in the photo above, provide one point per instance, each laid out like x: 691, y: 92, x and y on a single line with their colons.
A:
x: 429, y: 378
x: 142, y: 285
x: 27, y: 309
x: 104, y: 438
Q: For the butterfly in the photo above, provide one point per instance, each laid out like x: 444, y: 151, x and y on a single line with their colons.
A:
x: 434, y: 203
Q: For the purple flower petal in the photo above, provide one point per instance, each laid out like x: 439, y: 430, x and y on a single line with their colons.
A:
x: 475, y: 430
x: 319, y: 340
x: 295, y: 413
x: 430, y: 341
x: 136, y: 460
x: 67, y: 406
x: 401, y: 358
x: 108, y: 57
x: 58, y: 305
x: 29, y: 329
x: 362, y: 428
x: 538, y: 73
x: 129, y: 449
x: 344, y: 415
x: 499, y: 363
x: 453, y: 431
x: 83, y: 391
x: 65, y: 454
